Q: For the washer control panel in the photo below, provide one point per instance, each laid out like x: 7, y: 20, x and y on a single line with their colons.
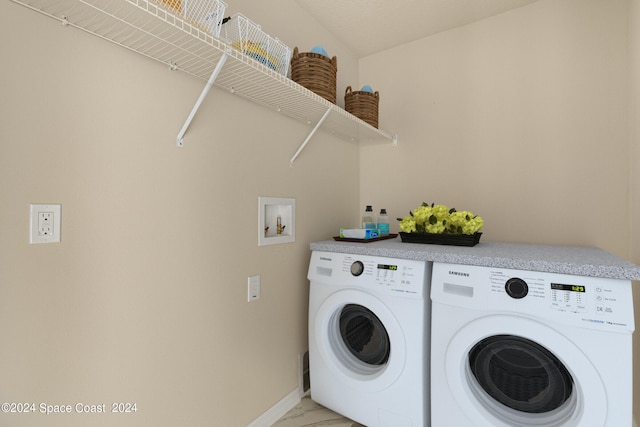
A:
x: 567, y: 296
x: 587, y: 301
x: 400, y: 277
x: 561, y: 292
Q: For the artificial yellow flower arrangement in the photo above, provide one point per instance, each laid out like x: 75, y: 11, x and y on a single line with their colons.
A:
x: 440, y: 220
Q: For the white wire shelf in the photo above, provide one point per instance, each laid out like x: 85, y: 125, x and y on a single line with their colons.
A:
x: 146, y: 28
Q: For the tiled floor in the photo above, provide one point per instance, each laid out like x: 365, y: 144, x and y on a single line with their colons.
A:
x: 308, y: 413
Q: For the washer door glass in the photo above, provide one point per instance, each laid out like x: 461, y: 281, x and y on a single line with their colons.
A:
x: 364, y: 335
x: 520, y: 374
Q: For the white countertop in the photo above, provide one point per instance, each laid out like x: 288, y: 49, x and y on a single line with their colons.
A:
x: 576, y: 260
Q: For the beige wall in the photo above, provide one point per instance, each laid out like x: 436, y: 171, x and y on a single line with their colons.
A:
x: 145, y: 298
x: 634, y: 131
x: 522, y: 118
x: 634, y: 125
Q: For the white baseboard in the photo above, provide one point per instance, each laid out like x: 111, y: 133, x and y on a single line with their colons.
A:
x: 278, y: 410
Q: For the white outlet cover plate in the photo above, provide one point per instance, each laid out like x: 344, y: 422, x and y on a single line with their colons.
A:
x: 253, y: 288
x: 36, y: 234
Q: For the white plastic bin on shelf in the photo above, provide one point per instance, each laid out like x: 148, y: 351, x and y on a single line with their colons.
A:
x: 247, y: 36
x: 204, y: 14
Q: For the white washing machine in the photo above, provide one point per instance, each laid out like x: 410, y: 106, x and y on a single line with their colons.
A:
x: 523, y: 348
x: 369, y: 338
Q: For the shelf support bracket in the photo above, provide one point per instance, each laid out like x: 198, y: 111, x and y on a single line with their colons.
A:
x: 205, y: 91
x: 313, y: 131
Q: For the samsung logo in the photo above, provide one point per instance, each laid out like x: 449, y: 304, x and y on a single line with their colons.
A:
x: 458, y: 273
x: 325, y: 259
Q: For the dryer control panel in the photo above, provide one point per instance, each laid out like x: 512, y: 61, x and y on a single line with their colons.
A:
x: 591, y: 302
x: 391, y: 276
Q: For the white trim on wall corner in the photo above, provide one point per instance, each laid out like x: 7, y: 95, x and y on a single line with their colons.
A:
x: 278, y: 410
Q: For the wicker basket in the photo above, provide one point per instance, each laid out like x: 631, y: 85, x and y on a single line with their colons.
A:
x: 315, y: 72
x: 363, y: 105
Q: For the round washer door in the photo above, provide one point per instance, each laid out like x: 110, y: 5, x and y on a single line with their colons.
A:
x: 360, y: 340
x: 511, y: 370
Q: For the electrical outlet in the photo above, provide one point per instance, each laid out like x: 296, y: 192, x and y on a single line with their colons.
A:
x: 253, y: 288
x: 44, y: 223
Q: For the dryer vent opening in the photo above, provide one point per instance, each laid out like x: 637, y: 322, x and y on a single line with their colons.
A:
x: 520, y: 374
x: 364, y: 334
x: 305, y: 377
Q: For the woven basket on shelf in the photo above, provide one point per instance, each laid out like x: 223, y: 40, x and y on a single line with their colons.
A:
x: 363, y: 105
x: 315, y: 72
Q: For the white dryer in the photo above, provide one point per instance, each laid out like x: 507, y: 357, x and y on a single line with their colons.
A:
x: 523, y: 348
x: 368, y: 338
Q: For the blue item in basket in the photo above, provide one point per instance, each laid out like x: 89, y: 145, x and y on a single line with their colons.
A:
x: 319, y: 50
x: 366, y: 88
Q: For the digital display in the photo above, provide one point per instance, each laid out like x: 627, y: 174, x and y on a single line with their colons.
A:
x: 387, y: 267
x: 570, y: 288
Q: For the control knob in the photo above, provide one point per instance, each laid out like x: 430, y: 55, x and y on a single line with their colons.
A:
x: 357, y: 268
x: 516, y: 288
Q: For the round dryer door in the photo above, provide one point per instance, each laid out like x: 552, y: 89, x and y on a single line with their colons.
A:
x: 520, y: 374
x: 360, y: 340
x: 364, y: 335
x: 511, y: 370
